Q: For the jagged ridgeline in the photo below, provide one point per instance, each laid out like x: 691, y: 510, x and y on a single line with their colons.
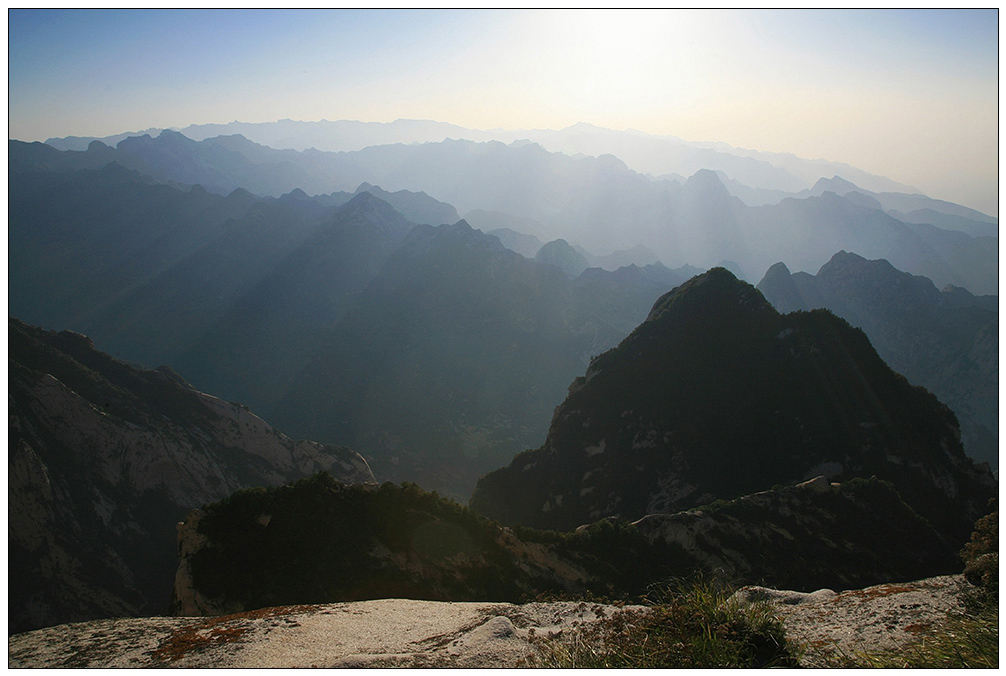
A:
x: 945, y: 340
x: 717, y: 395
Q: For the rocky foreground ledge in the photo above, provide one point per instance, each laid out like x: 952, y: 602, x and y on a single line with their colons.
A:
x: 407, y: 633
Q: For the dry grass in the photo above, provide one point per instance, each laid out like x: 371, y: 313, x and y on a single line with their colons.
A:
x: 216, y: 631
x: 691, y: 625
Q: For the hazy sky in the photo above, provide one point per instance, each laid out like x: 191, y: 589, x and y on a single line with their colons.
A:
x: 912, y: 95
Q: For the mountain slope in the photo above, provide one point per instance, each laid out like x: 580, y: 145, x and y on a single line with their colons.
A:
x: 104, y: 460
x: 716, y: 395
x: 945, y: 341
x: 317, y: 541
x: 254, y: 348
x: 80, y: 239
x: 456, y: 350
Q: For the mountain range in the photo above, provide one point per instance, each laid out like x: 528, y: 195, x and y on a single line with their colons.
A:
x: 247, y: 296
x: 106, y: 457
x: 645, y: 153
x: 595, y: 202
x: 553, y: 326
x: 678, y: 451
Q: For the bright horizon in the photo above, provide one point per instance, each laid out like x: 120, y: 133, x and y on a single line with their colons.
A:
x: 911, y: 95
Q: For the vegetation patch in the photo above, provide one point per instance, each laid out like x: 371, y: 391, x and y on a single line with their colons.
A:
x: 689, y: 625
x: 215, y: 632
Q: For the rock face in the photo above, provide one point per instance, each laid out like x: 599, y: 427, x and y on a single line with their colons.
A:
x: 947, y: 341
x: 384, y: 633
x: 717, y: 395
x: 104, y: 459
x: 402, y: 633
x: 886, y: 617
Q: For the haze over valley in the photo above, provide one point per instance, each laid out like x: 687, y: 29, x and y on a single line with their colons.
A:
x: 406, y: 329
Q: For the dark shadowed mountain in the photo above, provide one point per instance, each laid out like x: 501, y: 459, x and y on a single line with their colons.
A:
x: 78, y: 240
x: 105, y: 459
x: 945, y: 341
x: 255, y: 348
x: 716, y: 395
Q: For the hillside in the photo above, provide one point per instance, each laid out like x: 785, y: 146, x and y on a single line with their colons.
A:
x: 717, y: 395
x: 450, y: 360
x: 319, y: 541
x: 946, y: 341
x: 105, y: 459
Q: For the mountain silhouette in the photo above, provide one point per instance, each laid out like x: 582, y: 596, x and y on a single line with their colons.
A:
x: 945, y: 341
x: 717, y: 395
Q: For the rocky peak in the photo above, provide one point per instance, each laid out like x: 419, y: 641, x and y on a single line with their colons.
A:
x: 445, y: 238
x: 778, y: 287
x: 295, y: 194
x: 706, y: 183
x: 713, y: 294
x: 849, y: 273
x: 562, y: 255
x: 863, y: 200
x: 716, y: 395
x: 835, y: 184
x: 367, y: 209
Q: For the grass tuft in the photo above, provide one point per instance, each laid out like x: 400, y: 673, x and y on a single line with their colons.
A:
x: 967, y: 640
x: 691, y: 624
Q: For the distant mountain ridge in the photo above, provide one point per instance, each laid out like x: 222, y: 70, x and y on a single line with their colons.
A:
x: 646, y: 153
x: 595, y: 202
